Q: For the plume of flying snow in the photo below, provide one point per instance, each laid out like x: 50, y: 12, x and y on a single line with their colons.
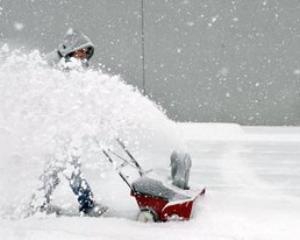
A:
x: 45, y: 111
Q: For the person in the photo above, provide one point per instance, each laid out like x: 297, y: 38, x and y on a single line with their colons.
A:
x: 75, y: 47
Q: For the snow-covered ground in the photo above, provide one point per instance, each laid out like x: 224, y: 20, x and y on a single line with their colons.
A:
x: 252, y: 174
x: 253, y: 192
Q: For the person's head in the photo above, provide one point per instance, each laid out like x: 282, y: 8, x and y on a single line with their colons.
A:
x: 77, y: 45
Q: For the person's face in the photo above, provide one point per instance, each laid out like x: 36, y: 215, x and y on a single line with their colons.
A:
x: 80, y: 54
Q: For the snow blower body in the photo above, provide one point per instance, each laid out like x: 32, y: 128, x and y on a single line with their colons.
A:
x: 158, y: 201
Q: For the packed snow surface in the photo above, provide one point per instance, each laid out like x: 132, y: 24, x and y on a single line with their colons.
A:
x: 251, y: 173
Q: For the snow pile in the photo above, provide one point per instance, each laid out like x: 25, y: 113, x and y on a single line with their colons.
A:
x: 234, y: 132
x: 45, y: 111
x: 273, y: 134
x: 211, y: 131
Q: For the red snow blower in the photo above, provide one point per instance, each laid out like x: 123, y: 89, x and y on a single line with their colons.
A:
x: 158, y: 202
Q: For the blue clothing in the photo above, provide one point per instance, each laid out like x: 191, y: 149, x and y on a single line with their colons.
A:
x: 72, y: 172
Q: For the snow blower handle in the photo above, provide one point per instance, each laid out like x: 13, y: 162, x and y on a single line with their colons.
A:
x: 138, y: 166
x: 119, y: 172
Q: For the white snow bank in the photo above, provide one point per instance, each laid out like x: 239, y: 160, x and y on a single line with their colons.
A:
x: 273, y: 134
x: 234, y: 132
x: 210, y: 131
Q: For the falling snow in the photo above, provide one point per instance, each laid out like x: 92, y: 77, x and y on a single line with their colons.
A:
x: 213, y: 20
x: 18, y: 26
x: 224, y: 71
x: 190, y: 24
x: 297, y: 71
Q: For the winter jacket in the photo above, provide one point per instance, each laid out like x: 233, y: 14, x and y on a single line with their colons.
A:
x: 73, y: 40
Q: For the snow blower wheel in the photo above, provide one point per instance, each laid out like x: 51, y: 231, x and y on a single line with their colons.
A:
x: 147, y: 215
